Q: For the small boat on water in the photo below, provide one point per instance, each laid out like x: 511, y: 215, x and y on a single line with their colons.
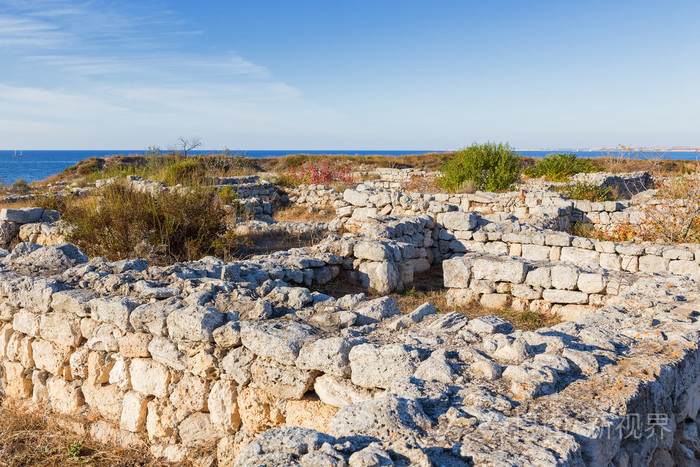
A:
x: 17, y: 155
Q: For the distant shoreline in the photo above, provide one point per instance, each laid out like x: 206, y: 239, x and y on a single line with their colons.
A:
x: 654, y: 149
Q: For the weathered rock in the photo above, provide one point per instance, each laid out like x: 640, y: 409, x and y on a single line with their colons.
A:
x: 376, y: 310
x: 279, y: 340
x: 194, y: 323
x: 223, y: 407
x: 258, y: 410
x: 285, y: 382
x: 375, y: 366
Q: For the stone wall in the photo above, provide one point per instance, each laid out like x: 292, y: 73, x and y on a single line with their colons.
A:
x: 209, y: 353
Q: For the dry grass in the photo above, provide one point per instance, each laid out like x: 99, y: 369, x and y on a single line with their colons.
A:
x: 18, y: 204
x: 428, y: 287
x: 31, y: 439
x: 296, y: 213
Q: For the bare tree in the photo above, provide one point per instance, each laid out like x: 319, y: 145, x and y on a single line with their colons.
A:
x: 186, y: 145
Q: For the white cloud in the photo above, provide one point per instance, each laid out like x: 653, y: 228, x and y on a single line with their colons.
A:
x: 87, y: 74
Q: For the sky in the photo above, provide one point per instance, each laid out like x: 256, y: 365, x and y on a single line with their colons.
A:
x: 379, y: 74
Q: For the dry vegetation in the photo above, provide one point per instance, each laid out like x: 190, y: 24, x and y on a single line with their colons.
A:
x: 33, y: 440
x: 303, y: 214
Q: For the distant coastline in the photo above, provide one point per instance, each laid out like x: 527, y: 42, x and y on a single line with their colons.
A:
x: 640, y: 149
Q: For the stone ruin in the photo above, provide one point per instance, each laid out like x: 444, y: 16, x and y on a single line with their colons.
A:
x: 248, y: 358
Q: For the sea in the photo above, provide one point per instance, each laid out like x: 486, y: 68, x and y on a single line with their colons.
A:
x: 39, y: 164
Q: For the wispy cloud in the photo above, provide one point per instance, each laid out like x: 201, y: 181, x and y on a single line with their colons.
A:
x: 89, y: 63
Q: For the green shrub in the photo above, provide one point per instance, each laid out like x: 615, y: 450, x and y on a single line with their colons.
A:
x: 20, y: 183
x: 228, y: 194
x: 117, y: 221
x: 490, y: 166
x: 189, y: 171
x: 559, y: 167
x: 589, y: 191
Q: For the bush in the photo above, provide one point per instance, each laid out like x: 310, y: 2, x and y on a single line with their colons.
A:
x: 490, y: 166
x: 677, y: 218
x: 118, y: 221
x: 559, y: 167
x: 589, y: 191
x: 185, y: 172
x: 21, y: 183
x: 228, y: 194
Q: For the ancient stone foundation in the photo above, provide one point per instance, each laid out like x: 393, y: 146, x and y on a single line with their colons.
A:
x: 247, y: 358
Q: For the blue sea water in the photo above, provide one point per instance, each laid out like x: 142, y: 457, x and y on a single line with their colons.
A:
x: 38, y: 165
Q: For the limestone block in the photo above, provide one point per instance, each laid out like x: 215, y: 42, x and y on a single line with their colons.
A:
x: 166, y: 352
x: 436, y: 368
x: 456, y: 272
x: 229, y: 334
x: 579, y: 256
x: 376, y: 310
x: 223, y: 407
x: 565, y: 296
x: 49, y: 356
x: 494, y: 301
x: 486, y: 325
x: 119, y: 374
x: 160, y: 420
x: 571, y: 312
x: 564, y: 277
x: 356, y: 198
x: 134, y: 345
x: 375, y: 366
x: 610, y: 261
x: 60, y: 328
x: 65, y: 398
x: 284, y: 382
x: 380, y: 276
x: 204, y: 365
x: 535, y: 252
x: 277, y: 340
x: 651, y: 264
x: 339, y: 392
x: 99, y: 366
x: 540, y: 306
x: 560, y: 239
x: 236, y: 365
x: 74, y: 301
x: 149, y: 377
x: 22, y: 215
x: 106, y: 400
x: 194, y: 323
x: 460, y: 297
x: 134, y: 411
x: 539, y: 277
x: 684, y: 268
x: 258, y: 410
x: 26, y: 322
x: 328, y: 355
x: 25, y: 353
x: 104, y: 336
x: 114, y: 310
x: 78, y: 362
x: 525, y: 291
x: 591, y: 283
x: 373, y: 250
x: 310, y: 413
x: 17, y: 384
x: 190, y: 394
x: 499, y: 270
x: 459, y: 220
x: 151, y: 318
x: 197, y: 430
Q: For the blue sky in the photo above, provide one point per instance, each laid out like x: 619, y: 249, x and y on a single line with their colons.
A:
x: 380, y: 74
